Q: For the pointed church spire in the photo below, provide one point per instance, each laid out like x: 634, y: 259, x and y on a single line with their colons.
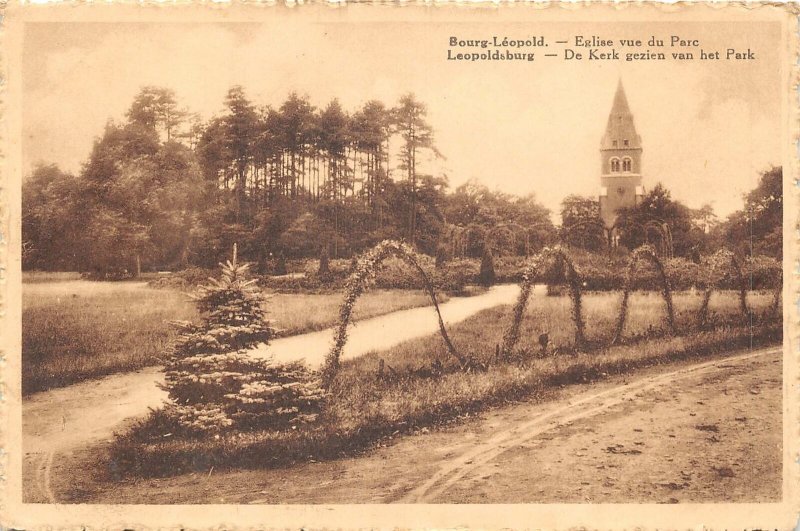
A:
x: 620, y: 105
x: 620, y: 130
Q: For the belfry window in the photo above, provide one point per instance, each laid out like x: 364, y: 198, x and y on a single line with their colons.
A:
x: 615, y: 165
x: 626, y: 164
x: 625, y: 142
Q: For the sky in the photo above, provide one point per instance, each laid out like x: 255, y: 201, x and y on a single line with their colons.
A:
x: 707, y: 128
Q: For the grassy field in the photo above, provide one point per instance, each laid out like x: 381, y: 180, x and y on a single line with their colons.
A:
x: 76, y: 329
x: 31, y: 277
x: 299, y: 313
x: 365, y: 406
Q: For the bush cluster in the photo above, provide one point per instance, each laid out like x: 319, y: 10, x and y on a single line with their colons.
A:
x: 451, y: 277
x: 599, y: 272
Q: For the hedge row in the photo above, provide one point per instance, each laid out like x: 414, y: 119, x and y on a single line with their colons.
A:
x: 604, y: 273
x: 599, y: 273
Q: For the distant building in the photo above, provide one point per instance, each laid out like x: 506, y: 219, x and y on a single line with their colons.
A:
x: 620, y: 162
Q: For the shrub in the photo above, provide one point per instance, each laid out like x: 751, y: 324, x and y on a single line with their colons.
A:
x: 442, y: 256
x: 762, y: 272
x: 683, y: 274
x: 509, y: 269
x: 454, y: 275
x: 365, y: 405
x: 186, y: 279
x: 214, y: 384
x: 451, y: 277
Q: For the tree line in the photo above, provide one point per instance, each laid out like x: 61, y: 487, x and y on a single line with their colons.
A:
x: 755, y: 229
x: 163, y: 190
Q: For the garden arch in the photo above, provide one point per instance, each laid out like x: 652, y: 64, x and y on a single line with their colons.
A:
x: 365, y: 269
x: 645, y: 252
x: 456, y: 238
x: 723, y: 258
x: 501, y: 234
x: 664, y: 235
x: 534, y: 268
x: 510, y: 231
x: 594, y: 223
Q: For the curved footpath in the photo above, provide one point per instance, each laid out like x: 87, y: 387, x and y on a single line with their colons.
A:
x: 386, y: 331
x: 68, y: 418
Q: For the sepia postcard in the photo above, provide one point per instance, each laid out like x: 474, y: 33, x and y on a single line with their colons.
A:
x: 406, y: 266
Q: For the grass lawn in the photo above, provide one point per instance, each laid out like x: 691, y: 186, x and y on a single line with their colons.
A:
x: 364, y: 406
x: 75, y: 329
x: 31, y: 277
x: 301, y: 312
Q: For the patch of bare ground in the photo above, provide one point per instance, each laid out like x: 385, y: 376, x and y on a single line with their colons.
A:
x: 684, y: 432
x: 713, y: 436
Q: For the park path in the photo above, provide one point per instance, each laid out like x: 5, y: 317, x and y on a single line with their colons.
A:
x: 68, y: 418
x: 386, y: 331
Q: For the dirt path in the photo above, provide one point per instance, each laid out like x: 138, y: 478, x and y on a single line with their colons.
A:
x: 84, y: 414
x: 689, y: 432
x: 670, y: 437
x: 386, y: 331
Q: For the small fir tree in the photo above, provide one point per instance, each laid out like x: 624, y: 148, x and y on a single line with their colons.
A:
x: 214, y: 384
x: 441, y: 256
x: 487, y: 276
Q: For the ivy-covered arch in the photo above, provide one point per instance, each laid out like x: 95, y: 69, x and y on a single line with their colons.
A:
x: 496, y: 234
x: 365, y: 269
x: 454, y: 239
x: 720, y: 259
x: 514, y: 232
x: 532, y: 270
x: 645, y: 252
x: 664, y: 234
x: 597, y: 224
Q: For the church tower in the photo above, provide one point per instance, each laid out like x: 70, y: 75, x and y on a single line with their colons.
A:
x: 620, y: 161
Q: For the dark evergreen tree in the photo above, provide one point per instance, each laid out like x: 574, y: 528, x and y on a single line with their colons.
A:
x: 324, y: 271
x: 487, y: 275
